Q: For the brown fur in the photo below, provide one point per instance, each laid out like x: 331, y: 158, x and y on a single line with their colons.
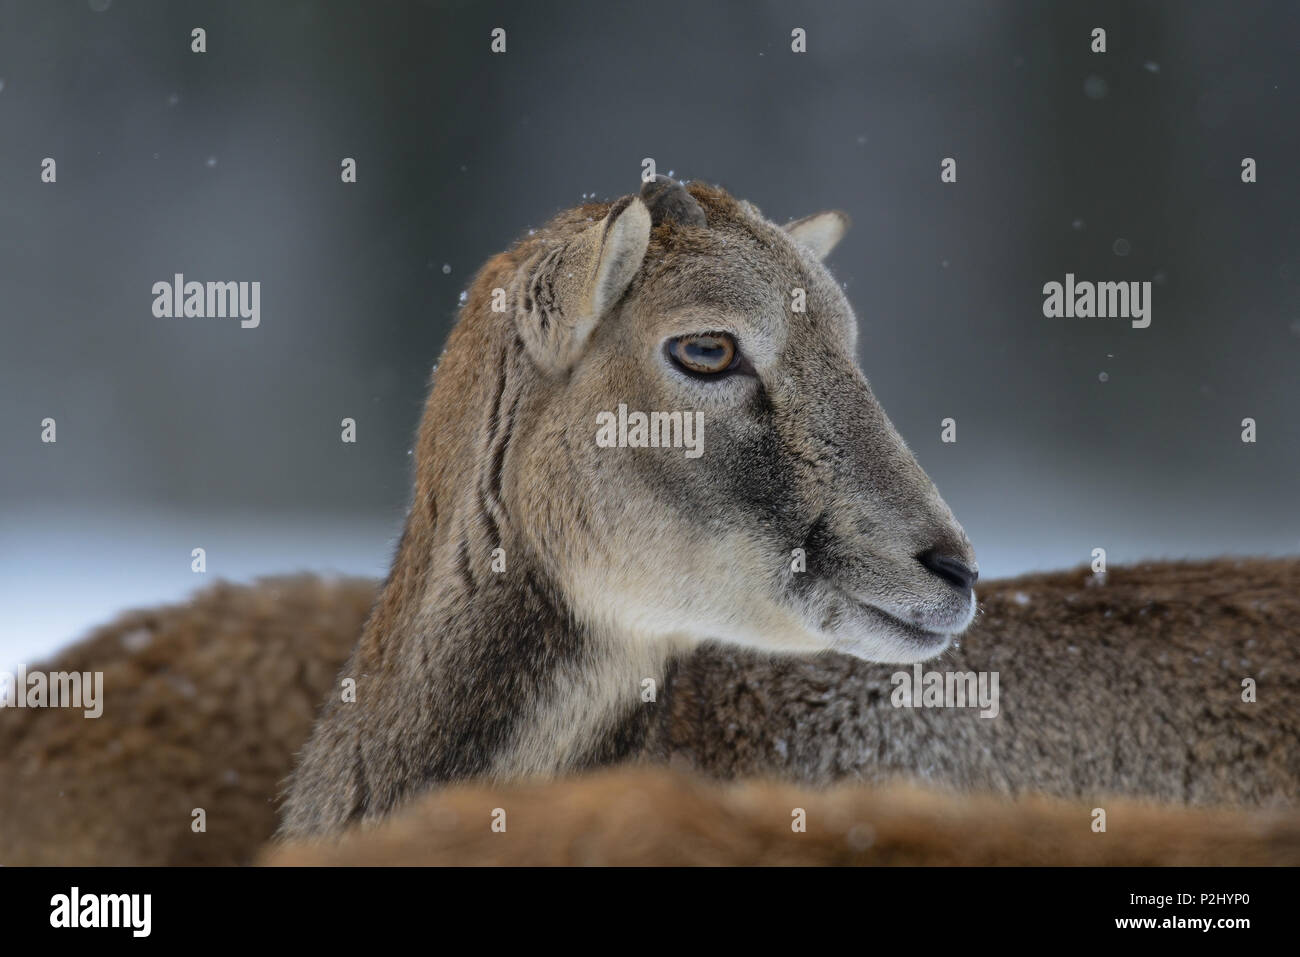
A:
x: 656, y: 817
x: 204, y: 705
x: 256, y: 659
x: 1129, y: 687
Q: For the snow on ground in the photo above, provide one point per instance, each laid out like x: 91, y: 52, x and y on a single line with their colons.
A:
x: 62, y: 573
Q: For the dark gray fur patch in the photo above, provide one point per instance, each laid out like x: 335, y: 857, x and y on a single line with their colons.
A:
x: 667, y: 199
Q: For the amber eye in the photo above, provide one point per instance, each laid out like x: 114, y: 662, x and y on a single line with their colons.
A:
x: 705, y: 354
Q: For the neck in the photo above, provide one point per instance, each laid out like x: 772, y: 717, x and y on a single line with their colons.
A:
x: 480, y: 675
x: 522, y: 689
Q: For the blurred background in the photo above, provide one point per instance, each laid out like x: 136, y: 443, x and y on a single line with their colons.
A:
x: 1072, y: 434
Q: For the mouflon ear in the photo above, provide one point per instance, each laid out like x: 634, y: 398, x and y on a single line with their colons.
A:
x: 820, y: 232
x: 562, y: 294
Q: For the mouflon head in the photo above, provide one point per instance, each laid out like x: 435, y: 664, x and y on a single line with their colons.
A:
x: 685, y: 442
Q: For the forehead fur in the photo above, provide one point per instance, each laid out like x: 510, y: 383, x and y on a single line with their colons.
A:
x: 739, y: 269
x: 737, y: 250
x: 736, y: 261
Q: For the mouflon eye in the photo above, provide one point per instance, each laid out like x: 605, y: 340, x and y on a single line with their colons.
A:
x: 704, y: 354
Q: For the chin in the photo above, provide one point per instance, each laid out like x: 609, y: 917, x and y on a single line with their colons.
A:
x: 872, y: 634
x: 896, y: 648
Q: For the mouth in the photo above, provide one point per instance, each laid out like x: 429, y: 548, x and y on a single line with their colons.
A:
x: 868, y: 631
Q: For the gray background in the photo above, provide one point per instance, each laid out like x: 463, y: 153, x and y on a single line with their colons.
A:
x: 225, y: 166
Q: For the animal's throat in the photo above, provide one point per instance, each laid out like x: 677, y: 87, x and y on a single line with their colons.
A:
x: 596, y: 708
x: 512, y: 685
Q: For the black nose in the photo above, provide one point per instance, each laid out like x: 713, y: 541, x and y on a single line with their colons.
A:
x: 952, y: 570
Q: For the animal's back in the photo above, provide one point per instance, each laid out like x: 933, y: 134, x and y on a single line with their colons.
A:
x: 651, y: 816
x: 204, y: 705
x: 1131, y: 684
